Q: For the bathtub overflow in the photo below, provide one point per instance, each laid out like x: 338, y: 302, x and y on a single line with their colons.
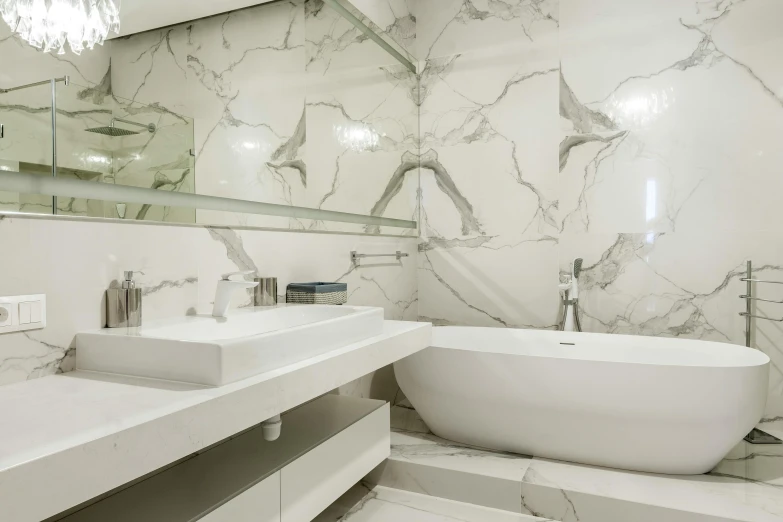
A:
x: 568, y: 344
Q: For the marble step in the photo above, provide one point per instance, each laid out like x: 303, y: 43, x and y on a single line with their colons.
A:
x: 747, y: 486
x: 423, y: 463
x: 365, y: 503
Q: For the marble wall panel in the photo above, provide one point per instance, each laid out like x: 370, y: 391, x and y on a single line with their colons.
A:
x: 667, y: 180
x: 263, y: 82
x: 668, y: 165
x: 73, y: 262
x: 489, y: 95
x: 242, y: 77
x: 396, y: 18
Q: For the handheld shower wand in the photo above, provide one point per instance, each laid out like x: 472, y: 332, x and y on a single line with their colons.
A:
x: 570, y: 296
x: 577, y: 269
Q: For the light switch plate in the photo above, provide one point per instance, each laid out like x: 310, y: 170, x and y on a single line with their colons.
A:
x: 34, y: 308
x: 24, y: 313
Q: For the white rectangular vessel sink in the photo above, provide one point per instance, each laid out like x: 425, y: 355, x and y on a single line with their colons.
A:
x: 214, y: 351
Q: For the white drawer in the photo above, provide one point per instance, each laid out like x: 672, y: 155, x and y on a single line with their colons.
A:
x: 261, y: 503
x: 326, y: 447
x: 315, y: 480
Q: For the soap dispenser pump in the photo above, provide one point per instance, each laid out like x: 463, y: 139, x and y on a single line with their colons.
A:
x: 123, y: 305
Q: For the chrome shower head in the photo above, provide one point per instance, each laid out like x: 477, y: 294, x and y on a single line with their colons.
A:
x: 577, y: 267
x: 113, y: 131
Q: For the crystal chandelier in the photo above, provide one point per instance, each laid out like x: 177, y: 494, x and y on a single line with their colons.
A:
x: 49, y: 24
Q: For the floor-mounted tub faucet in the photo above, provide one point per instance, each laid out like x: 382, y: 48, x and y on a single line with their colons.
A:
x: 226, y: 288
x: 569, y: 294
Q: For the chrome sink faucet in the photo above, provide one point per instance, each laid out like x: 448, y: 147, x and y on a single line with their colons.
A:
x: 226, y: 288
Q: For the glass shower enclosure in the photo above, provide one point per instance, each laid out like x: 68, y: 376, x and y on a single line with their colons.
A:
x: 60, y: 129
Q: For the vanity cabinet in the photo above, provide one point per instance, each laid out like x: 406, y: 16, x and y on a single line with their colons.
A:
x: 318, y: 478
x: 261, y: 503
x: 326, y: 447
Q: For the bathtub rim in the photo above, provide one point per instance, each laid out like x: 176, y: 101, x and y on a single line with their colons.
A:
x: 754, y: 357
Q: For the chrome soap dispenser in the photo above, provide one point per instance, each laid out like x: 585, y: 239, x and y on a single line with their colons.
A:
x: 123, y: 305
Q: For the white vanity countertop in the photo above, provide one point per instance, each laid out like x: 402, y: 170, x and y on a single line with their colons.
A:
x: 68, y: 438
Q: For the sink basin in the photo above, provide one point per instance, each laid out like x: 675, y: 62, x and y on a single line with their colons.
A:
x: 214, y: 351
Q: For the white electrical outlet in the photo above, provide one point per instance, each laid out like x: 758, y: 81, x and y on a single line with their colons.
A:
x: 5, y: 315
x: 22, y: 312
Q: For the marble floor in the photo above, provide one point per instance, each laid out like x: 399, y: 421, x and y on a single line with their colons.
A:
x: 747, y: 486
x: 366, y: 503
x: 773, y: 419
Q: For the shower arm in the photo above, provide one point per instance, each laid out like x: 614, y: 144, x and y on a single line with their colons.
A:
x: 150, y: 127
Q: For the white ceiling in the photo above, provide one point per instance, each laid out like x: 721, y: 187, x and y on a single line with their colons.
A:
x: 142, y: 15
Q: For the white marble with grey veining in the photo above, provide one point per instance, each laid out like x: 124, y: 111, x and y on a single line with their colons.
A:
x: 364, y: 503
x: 74, y: 262
x: 665, y: 116
x: 396, y: 18
x: 292, y: 105
x: 113, y: 429
x: 745, y: 486
x: 422, y: 463
x: 488, y: 184
x: 248, y: 86
x: 669, y: 161
x: 242, y: 77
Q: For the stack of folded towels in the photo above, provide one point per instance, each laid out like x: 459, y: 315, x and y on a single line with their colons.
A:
x: 317, y: 293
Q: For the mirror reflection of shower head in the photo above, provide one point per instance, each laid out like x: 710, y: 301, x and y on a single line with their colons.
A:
x: 577, y: 267
x: 113, y: 131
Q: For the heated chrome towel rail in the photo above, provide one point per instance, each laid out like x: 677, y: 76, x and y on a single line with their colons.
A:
x: 756, y: 436
x: 749, y: 298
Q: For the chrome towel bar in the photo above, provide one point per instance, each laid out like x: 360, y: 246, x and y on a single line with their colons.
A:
x: 355, y: 256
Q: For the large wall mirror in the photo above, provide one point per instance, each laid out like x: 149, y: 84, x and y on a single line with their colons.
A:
x: 296, y: 114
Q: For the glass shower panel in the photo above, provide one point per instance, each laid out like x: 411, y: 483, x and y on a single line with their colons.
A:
x: 26, y: 143
x: 160, y: 157
x: 108, y: 139
x: 81, y: 155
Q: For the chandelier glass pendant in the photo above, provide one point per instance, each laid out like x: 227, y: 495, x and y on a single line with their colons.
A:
x: 50, y: 24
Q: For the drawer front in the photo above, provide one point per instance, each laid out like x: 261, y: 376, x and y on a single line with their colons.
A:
x: 261, y: 503
x: 315, y: 480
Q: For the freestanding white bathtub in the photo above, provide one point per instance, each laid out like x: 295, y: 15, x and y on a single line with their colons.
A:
x: 638, y: 403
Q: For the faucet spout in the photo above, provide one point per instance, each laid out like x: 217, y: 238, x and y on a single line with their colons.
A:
x: 226, y: 288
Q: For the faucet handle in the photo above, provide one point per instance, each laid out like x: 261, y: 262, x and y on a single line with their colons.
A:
x: 228, y: 276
